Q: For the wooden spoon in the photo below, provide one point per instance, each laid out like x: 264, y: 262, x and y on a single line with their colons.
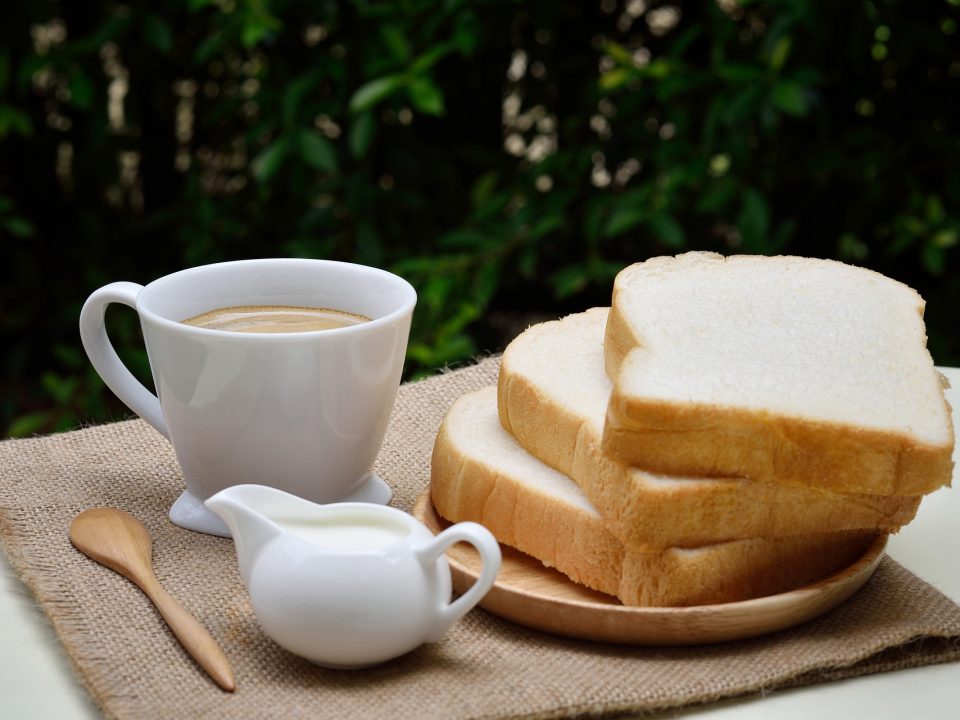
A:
x: 119, y: 541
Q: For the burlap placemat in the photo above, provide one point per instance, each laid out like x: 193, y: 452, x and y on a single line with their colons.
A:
x: 483, y: 668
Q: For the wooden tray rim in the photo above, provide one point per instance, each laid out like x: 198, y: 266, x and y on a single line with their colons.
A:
x: 629, y: 625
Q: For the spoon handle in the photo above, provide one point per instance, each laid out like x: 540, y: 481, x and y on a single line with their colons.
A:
x: 192, y: 635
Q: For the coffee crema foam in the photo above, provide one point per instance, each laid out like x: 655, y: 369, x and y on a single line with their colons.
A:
x: 274, y: 319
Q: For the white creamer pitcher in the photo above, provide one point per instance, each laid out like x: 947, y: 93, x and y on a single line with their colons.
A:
x: 347, y: 585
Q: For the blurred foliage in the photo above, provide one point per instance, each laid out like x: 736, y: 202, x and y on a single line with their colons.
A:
x: 507, y: 157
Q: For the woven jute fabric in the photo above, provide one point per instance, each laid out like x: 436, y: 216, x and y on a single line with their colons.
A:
x: 484, y: 667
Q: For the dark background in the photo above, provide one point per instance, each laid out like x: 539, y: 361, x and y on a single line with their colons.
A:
x: 506, y: 157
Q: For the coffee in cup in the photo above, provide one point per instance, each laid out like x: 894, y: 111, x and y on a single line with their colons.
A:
x: 274, y: 319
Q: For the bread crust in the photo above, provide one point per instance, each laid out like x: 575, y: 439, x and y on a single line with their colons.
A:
x: 710, y: 440
x: 468, y: 484
x: 698, y: 437
x: 644, y: 510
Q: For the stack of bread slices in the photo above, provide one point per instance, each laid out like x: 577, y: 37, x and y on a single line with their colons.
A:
x: 731, y: 427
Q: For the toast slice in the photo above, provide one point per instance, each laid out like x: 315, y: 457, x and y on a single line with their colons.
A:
x: 775, y: 368
x: 553, y: 395
x: 480, y: 473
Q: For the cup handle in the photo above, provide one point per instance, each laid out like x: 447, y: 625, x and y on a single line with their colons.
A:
x: 96, y: 343
x: 481, y: 538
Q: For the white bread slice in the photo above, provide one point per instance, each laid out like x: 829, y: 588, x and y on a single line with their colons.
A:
x: 553, y: 395
x: 480, y: 473
x: 775, y: 368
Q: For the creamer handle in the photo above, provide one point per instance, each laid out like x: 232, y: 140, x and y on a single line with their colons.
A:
x: 481, y: 538
x: 93, y: 335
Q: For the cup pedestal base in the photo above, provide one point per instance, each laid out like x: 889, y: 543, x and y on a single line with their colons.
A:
x: 190, y: 513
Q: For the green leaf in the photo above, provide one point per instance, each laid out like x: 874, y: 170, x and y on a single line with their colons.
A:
x: 445, y: 350
x: 615, y: 79
x: 112, y: 28
x: 426, y: 97
x: 209, y: 47
x: 676, y: 85
x: 369, y: 244
x: 754, y: 221
x: 629, y: 210
x: 421, y: 353
x: 466, y: 33
x: 435, y: 293
x: 430, y: 58
x: 717, y: 197
x: 945, y: 238
x: 623, y: 219
x: 619, y: 53
x: 934, y: 210
x: 258, y: 24
x: 361, y: 134
x: 546, y: 225
x: 81, y: 89
x: 67, y: 421
x: 29, y: 424
x: 483, y: 188
x: 934, y: 258
x: 268, y: 162
x: 485, y: 285
x: 658, y: 69
x: 157, y: 32
x: 913, y: 225
x: 680, y: 45
x: 252, y: 34
x: 19, y: 227
x: 593, y: 221
x: 293, y: 95
x: 13, y: 120
x: 781, y: 51
x: 850, y: 247
x: 316, y: 151
x: 668, y: 231
x: 742, y: 105
x: 60, y: 388
x: 491, y: 206
x: 69, y: 355
x: 739, y: 73
x: 604, y: 271
x: 466, y: 312
x: 791, y: 98
x: 417, y: 265
x: 569, y: 281
x: 396, y: 42
x: 29, y: 66
x: 462, y: 239
x: 375, y: 91
x: 782, y: 236
x: 527, y: 262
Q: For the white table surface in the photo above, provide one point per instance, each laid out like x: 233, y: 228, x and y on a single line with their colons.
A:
x: 37, y: 680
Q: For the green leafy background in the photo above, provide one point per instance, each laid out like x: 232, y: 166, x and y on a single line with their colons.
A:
x: 507, y: 157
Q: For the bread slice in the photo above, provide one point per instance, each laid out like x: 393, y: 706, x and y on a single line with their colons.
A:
x: 553, y: 395
x: 480, y: 473
x: 775, y: 368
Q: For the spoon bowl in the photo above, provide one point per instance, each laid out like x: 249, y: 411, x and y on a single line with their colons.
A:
x: 119, y: 541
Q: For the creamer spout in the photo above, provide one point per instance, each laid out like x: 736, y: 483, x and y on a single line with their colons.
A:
x: 242, y: 509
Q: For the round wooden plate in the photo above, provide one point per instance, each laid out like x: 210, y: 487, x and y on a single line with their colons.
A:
x: 528, y: 593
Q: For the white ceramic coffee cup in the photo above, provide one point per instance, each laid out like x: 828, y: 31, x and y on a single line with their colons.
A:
x: 303, y: 412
